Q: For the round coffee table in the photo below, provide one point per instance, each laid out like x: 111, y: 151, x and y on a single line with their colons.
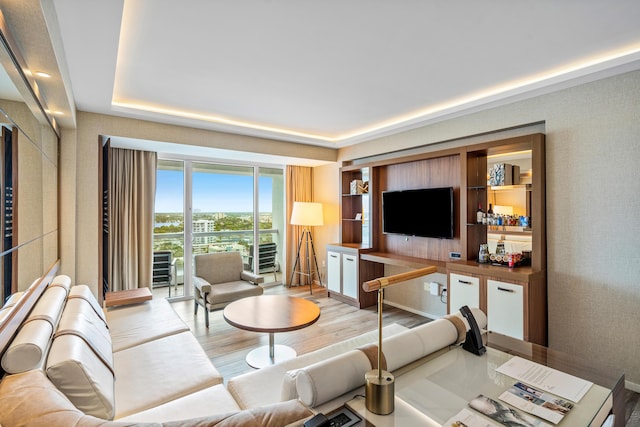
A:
x: 271, y: 314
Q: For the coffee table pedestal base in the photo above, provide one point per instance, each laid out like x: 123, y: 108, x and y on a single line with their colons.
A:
x: 260, y: 357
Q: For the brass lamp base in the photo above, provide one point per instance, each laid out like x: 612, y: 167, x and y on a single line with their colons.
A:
x: 379, y: 392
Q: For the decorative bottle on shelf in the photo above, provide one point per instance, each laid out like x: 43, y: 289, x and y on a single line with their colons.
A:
x: 479, y: 214
x: 490, y: 214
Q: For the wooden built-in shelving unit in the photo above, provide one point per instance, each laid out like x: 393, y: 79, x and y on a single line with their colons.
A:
x: 465, y: 170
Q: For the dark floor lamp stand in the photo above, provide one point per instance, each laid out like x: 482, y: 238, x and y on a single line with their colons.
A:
x: 308, y: 241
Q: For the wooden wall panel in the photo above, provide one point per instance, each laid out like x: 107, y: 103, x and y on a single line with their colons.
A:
x: 427, y: 173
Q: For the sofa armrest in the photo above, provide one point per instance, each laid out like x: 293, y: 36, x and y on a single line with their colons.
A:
x: 202, y: 285
x: 252, y: 277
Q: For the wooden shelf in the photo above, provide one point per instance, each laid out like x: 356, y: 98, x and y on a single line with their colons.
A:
x: 403, y: 261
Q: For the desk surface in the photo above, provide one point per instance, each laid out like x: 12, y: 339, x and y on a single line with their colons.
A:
x: 430, y: 392
x: 271, y: 313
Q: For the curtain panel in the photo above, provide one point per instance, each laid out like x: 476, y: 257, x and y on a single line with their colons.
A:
x: 132, y: 185
x: 299, y: 189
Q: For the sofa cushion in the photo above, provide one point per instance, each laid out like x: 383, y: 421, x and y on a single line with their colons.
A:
x: 140, y: 323
x: 82, y: 376
x: 28, y: 349
x: 10, y: 304
x: 248, y: 389
x: 323, y: 381
x: 283, y: 414
x: 328, y: 379
x: 159, y: 371
x: 83, y: 292
x: 29, y: 399
x: 50, y: 305
x: 409, y: 346
x: 79, y: 319
x: 61, y: 281
x: 210, y: 401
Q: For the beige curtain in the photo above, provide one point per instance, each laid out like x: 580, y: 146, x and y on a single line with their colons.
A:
x: 132, y: 189
x: 299, y: 189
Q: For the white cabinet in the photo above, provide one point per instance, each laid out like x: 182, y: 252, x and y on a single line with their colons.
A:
x: 346, y: 272
x: 350, y: 275
x: 334, y: 273
x: 505, y: 308
x: 342, y: 274
x: 463, y: 290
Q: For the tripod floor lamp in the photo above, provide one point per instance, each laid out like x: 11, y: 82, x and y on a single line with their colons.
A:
x: 306, y: 214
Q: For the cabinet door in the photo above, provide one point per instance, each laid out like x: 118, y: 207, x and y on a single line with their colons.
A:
x: 334, y: 276
x: 350, y: 275
x: 463, y: 290
x: 505, y: 308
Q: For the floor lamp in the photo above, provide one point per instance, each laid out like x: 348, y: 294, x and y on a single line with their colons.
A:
x: 306, y: 214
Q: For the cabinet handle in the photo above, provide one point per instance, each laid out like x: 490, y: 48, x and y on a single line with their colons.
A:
x: 505, y: 289
x: 466, y: 282
x: 349, y: 259
x: 333, y: 256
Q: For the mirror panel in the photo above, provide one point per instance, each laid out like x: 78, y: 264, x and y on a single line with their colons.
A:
x: 35, y: 246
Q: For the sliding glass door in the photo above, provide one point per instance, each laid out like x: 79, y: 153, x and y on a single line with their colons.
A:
x: 169, y: 229
x: 217, y: 210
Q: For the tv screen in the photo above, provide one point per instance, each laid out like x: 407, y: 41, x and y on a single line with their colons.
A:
x: 426, y: 212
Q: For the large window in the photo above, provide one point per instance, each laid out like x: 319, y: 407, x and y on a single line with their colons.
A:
x: 169, y: 229
x: 205, y: 207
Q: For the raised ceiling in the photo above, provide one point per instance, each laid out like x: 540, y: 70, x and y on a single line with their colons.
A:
x: 331, y: 72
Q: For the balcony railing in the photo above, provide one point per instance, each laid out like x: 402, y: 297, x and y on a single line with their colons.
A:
x: 214, y: 241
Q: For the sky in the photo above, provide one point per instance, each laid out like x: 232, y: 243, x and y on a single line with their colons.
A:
x: 211, y: 192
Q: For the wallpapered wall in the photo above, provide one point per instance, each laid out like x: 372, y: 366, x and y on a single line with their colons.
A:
x: 593, y: 209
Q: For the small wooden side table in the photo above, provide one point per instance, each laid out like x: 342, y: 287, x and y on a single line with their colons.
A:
x: 130, y: 296
x: 271, y: 314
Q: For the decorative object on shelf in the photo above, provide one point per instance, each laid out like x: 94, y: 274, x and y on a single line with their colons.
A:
x: 512, y: 259
x: 380, y: 384
x: 504, y: 174
x: 307, y: 214
x: 358, y: 216
x: 358, y: 186
x: 483, y: 255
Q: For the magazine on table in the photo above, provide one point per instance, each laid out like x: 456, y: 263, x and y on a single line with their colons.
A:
x: 504, y: 414
x: 548, y: 379
x: 536, y: 402
x: 467, y: 418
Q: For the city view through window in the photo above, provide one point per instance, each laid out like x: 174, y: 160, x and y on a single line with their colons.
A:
x: 222, y: 219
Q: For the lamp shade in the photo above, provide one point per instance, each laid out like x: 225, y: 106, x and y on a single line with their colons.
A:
x: 307, y: 213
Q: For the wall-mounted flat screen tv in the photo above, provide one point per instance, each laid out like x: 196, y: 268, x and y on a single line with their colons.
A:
x: 425, y: 212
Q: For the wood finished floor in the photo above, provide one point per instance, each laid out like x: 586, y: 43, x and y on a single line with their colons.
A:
x: 227, y: 346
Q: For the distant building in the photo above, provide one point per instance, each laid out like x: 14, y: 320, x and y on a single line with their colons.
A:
x: 203, y: 226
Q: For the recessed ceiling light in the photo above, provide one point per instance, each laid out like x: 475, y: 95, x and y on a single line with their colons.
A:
x: 43, y: 74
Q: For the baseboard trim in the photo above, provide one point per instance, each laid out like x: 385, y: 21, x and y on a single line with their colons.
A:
x: 632, y: 386
x: 414, y: 311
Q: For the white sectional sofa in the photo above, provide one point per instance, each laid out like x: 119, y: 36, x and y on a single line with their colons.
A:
x: 72, y: 363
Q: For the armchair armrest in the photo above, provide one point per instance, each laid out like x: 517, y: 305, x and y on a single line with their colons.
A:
x: 251, y: 277
x: 202, y: 285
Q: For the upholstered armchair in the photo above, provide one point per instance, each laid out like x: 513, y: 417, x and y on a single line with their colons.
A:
x: 220, y: 279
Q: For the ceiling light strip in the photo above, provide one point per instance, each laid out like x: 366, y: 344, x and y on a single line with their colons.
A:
x: 569, y: 71
x: 217, y: 119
